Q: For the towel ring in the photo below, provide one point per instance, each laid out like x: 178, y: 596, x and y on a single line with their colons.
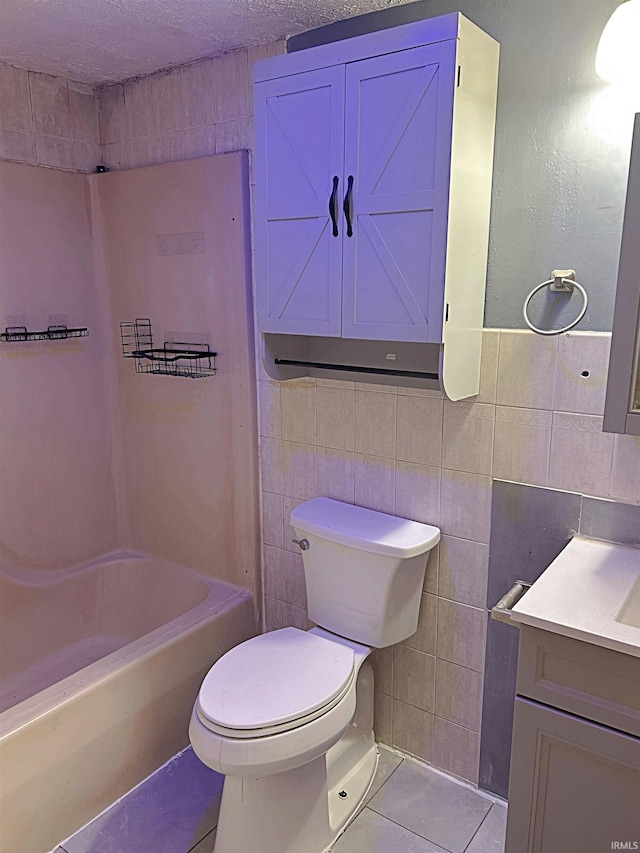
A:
x: 562, y: 281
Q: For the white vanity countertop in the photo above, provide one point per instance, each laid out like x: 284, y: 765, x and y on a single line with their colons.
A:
x: 581, y: 594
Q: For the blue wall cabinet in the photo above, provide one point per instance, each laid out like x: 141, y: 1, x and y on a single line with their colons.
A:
x: 373, y: 160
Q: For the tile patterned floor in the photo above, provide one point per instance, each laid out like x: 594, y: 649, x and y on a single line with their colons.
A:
x: 411, y: 808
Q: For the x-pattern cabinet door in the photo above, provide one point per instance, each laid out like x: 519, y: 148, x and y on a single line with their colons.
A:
x: 399, y: 113
x: 299, y: 154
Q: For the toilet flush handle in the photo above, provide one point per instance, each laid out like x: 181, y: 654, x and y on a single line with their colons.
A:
x: 303, y: 543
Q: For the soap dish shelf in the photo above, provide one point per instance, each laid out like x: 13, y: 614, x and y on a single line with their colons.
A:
x: 173, y: 358
x: 16, y: 334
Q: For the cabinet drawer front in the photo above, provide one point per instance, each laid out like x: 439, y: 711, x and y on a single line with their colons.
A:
x: 573, y: 786
x: 399, y: 112
x: 298, y: 153
x: 596, y: 683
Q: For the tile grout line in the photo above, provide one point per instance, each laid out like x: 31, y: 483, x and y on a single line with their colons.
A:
x: 406, y: 828
x: 478, y: 829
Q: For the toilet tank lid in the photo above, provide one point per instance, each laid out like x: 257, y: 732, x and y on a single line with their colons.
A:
x: 365, y: 529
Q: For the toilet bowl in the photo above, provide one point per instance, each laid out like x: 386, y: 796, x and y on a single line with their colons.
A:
x: 287, y: 716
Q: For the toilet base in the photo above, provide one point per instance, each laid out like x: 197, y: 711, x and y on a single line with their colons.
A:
x: 301, y: 810
x: 292, y: 812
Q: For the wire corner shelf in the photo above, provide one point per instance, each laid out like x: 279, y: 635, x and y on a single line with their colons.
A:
x: 173, y: 358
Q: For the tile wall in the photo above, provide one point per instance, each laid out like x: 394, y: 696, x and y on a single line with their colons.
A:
x: 48, y: 121
x: 537, y: 420
x: 191, y: 111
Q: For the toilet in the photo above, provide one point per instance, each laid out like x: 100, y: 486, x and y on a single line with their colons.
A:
x: 287, y: 716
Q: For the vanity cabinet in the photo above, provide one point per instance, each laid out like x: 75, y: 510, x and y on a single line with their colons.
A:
x: 373, y: 162
x: 574, y: 783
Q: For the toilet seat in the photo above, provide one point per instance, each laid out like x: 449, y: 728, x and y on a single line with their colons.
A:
x: 275, y: 682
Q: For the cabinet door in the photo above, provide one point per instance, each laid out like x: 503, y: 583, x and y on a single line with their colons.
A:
x: 299, y: 151
x: 574, y: 786
x: 399, y: 112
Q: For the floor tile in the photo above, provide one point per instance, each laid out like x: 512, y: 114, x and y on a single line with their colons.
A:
x: 206, y: 845
x: 169, y: 813
x: 373, y: 833
x: 438, y: 809
x: 388, y: 761
x: 490, y: 837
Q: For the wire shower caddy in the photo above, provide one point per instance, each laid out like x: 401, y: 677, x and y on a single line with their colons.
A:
x: 173, y: 358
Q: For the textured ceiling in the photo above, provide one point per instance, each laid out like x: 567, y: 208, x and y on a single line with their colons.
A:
x: 103, y: 41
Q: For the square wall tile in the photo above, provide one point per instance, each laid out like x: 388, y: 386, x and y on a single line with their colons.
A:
x: 275, y: 615
x: 522, y: 445
x: 418, y: 492
x: 138, y: 108
x: 430, y: 584
x: 166, y: 88
x: 273, y: 580
x: 526, y: 370
x: 581, y: 454
x: 419, y: 429
x: 15, y: 98
x: 456, y: 750
x: 54, y: 151
x: 488, y: 366
x: 273, y: 519
x: 375, y: 423
x: 468, y: 437
x: 375, y: 483
x: 625, y: 472
x: 141, y: 152
x: 413, y: 730
x: 611, y: 520
x: 50, y: 104
x: 115, y: 156
x: 197, y: 94
x: 382, y: 662
x: 299, y: 478
x: 17, y: 145
x: 414, y: 677
x: 461, y: 634
x: 383, y: 717
x: 112, y: 114
x: 463, y: 571
x: 459, y: 695
x: 582, y: 365
x: 83, y: 113
x: 231, y: 86
x: 86, y: 155
x: 270, y: 408
x: 200, y: 142
x: 294, y: 585
x: 271, y: 465
x: 336, y: 478
x: 236, y: 135
x: 335, y: 417
x: 465, y: 505
x: 424, y: 639
x: 298, y: 403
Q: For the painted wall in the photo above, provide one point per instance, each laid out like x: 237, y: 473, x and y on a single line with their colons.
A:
x: 190, y: 459
x: 48, y: 120
x: 57, y: 499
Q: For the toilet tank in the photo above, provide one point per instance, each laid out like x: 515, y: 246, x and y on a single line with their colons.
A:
x: 364, y: 569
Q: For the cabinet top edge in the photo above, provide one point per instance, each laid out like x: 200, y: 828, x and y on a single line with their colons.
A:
x: 401, y: 37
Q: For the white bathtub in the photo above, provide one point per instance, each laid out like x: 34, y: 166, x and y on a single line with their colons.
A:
x: 100, y: 667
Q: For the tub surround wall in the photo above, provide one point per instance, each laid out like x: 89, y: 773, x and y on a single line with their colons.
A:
x: 57, y: 496
x: 190, y: 453
x: 48, y: 120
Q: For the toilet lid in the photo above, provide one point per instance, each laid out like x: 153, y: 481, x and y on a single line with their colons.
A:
x: 275, y: 678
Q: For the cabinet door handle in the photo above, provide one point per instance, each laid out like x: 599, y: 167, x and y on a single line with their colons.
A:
x: 347, y: 206
x: 333, y: 205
